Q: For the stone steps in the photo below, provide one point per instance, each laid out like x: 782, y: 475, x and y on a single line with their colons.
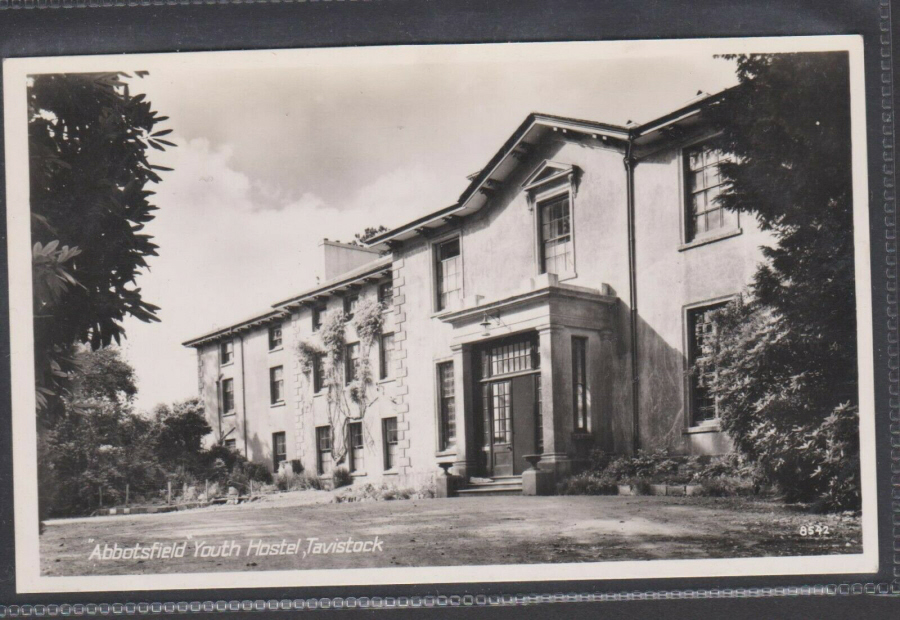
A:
x: 501, y: 485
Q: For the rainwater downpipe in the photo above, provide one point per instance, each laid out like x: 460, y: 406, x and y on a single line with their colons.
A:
x: 630, y: 163
x: 244, y: 399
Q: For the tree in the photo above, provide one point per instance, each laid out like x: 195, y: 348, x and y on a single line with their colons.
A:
x: 88, y: 142
x: 785, y: 359
x: 99, y: 441
x: 180, y: 432
x: 368, y: 233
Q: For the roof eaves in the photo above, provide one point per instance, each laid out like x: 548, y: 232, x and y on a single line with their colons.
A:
x: 360, y: 273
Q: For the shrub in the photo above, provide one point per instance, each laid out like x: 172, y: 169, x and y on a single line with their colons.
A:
x: 341, y: 477
x: 728, y: 486
x: 258, y: 473
x: 296, y: 466
x: 384, y: 492
x: 587, y: 483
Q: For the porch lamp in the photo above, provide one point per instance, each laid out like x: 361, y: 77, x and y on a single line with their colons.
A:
x: 485, y: 325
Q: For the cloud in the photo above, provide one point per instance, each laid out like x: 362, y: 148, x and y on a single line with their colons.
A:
x: 223, y: 258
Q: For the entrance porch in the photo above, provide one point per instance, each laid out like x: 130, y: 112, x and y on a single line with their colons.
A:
x: 534, y: 373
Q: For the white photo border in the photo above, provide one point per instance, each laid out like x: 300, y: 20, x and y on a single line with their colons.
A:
x: 28, y: 576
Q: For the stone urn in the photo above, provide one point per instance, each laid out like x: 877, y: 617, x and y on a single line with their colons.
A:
x: 533, y: 460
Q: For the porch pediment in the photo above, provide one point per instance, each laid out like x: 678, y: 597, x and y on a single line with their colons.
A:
x: 540, y: 304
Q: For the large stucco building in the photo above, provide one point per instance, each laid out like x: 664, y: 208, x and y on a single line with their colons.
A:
x: 554, y: 308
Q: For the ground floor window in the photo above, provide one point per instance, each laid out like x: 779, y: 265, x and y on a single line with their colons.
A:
x: 539, y: 414
x: 231, y: 444
x: 389, y: 433
x: 279, y: 449
x: 324, y: 461
x: 701, y: 336
x: 356, y: 447
x: 579, y: 382
x: 447, y: 398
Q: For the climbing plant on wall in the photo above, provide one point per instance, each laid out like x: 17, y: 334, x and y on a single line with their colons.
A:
x: 346, y: 401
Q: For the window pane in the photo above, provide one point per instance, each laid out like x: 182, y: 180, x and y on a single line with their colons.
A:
x: 704, y: 183
x: 701, y: 332
x: 447, y: 395
x: 387, y: 355
x: 556, y: 238
x: 228, y: 395
x: 579, y: 382
x: 276, y: 384
x: 449, y: 274
x: 389, y: 433
x: 351, y: 362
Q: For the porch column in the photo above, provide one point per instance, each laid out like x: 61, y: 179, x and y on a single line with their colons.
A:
x: 556, y: 402
x: 464, y: 391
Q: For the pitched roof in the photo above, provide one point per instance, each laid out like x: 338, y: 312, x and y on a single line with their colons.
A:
x: 281, y: 310
x: 534, y: 125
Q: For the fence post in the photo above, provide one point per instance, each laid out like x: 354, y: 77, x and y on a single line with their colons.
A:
x: 251, y: 488
x: 126, y: 493
x: 101, y: 496
x: 169, y: 492
x: 206, y: 486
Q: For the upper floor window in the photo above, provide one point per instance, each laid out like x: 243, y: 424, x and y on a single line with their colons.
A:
x: 557, y: 253
x: 387, y: 356
x: 701, y: 342
x: 350, y: 304
x: 226, y: 352
x: 351, y: 362
x: 274, y: 337
x: 703, y: 183
x: 276, y: 384
x: 318, y: 313
x: 386, y: 293
x: 227, y: 396
x: 318, y: 372
x: 448, y: 269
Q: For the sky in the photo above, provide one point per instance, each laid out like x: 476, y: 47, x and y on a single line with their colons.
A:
x: 271, y: 159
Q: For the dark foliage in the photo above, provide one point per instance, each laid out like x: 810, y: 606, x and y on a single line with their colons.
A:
x: 785, y: 360
x: 88, y: 143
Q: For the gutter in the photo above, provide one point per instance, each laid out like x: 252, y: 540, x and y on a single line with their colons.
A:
x: 630, y: 162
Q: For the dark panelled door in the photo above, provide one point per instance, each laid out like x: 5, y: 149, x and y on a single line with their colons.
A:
x: 509, y: 369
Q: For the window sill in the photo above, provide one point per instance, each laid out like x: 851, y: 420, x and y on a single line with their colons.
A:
x: 568, y: 275
x: 225, y: 364
x: 319, y: 394
x: 390, y: 472
x: 276, y: 349
x: 387, y: 380
x: 280, y: 403
x: 710, y: 426
x: 360, y: 474
x: 734, y: 232
x: 230, y: 414
x: 451, y: 451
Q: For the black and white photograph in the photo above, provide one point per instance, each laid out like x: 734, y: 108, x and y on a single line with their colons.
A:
x: 439, y: 314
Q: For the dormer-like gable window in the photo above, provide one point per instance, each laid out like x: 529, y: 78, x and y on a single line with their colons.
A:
x: 551, y: 191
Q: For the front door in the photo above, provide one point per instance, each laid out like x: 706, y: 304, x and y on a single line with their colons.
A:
x: 509, y: 380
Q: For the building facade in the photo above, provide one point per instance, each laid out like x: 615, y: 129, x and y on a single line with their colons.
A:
x: 555, y: 308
